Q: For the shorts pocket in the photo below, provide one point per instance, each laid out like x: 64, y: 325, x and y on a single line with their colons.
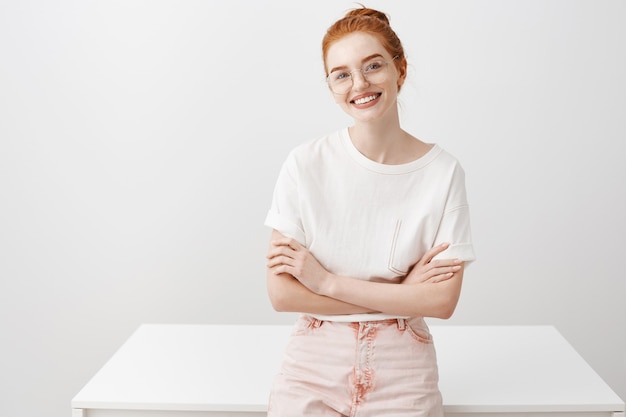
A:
x: 305, y: 324
x: 418, y: 333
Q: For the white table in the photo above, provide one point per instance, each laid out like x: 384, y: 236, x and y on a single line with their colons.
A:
x: 227, y: 370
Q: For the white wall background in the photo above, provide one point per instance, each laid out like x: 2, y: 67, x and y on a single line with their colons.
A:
x: 140, y: 141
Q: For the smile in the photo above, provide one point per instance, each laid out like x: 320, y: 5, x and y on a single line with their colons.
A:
x: 367, y: 99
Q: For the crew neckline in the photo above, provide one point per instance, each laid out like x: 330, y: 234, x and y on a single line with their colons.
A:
x: 367, y: 163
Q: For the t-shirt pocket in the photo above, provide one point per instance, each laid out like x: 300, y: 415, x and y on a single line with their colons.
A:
x: 407, y: 247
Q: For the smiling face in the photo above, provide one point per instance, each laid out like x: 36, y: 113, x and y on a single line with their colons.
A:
x: 365, y: 100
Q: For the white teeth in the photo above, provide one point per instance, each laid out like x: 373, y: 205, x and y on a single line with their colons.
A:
x: 364, y: 100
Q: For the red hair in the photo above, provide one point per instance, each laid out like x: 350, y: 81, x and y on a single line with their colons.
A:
x: 368, y: 21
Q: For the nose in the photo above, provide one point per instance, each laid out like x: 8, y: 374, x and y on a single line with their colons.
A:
x: 359, y: 81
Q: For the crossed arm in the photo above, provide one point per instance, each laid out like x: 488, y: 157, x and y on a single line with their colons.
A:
x: 297, y: 282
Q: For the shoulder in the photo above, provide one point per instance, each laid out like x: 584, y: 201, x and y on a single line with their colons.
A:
x: 439, y: 157
x: 315, y: 150
x: 318, y: 144
x: 445, y: 165
x: 443, y: 156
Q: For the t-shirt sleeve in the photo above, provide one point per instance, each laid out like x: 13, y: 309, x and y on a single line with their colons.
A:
x: 455, y: 223
x: 284, y: 214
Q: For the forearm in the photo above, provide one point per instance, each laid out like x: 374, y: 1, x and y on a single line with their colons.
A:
x: 417, y: 299
x: 298, y: 282
x: 289, y: 295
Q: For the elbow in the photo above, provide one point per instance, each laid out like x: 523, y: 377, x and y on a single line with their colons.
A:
x: 445, y: 312
x: 446, y: 307
x: 279, y: 304
x: 440, y: 310
x: 278, y: 295
x: 448, y: 299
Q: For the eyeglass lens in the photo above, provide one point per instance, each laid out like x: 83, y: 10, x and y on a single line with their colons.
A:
x: 374, y: 72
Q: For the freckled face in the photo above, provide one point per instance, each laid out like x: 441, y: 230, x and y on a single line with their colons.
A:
x: 365, y: 101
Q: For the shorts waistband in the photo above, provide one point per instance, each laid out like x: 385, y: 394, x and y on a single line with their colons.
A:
x: 400, y: 321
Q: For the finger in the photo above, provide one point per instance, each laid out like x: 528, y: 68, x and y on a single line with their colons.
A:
x: 279, y: 260
x: 446, y: 269
x: 442, y: 263
x: 441, y: 277
x: 432, y: 252
x: 440, y: 273
x: 440, y: 266
x: 280, y: 251
x: 287, y: 241
x: 444, y: 274
x: 281, y: 269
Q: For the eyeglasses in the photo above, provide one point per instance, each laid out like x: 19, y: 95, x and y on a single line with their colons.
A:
x: 374, y: 72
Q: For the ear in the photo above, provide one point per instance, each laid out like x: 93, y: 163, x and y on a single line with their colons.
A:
x: 402, y: 73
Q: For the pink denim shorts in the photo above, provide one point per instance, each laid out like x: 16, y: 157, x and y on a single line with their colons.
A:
x: 359, y: 369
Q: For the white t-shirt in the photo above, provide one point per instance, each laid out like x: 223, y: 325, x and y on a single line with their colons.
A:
x: 368, y: 220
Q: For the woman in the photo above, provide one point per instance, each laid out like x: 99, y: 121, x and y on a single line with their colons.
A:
x: 370, y: 235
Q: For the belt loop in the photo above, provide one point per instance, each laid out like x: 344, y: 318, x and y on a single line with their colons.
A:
x: 401, y: 324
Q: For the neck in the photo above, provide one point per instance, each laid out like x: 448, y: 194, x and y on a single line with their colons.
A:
x: 385, y: 142
x: 379, y: 141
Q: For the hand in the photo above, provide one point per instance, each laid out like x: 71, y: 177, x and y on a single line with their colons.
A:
x: 288, y: 256
x: 429, y: 270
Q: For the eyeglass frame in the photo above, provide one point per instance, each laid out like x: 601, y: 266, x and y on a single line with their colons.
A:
x: 361, y: 70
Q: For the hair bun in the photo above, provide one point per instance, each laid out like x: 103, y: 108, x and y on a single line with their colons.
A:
x: 366, y: 12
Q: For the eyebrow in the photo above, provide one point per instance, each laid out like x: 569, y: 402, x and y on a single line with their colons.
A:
x: 367, y: 58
